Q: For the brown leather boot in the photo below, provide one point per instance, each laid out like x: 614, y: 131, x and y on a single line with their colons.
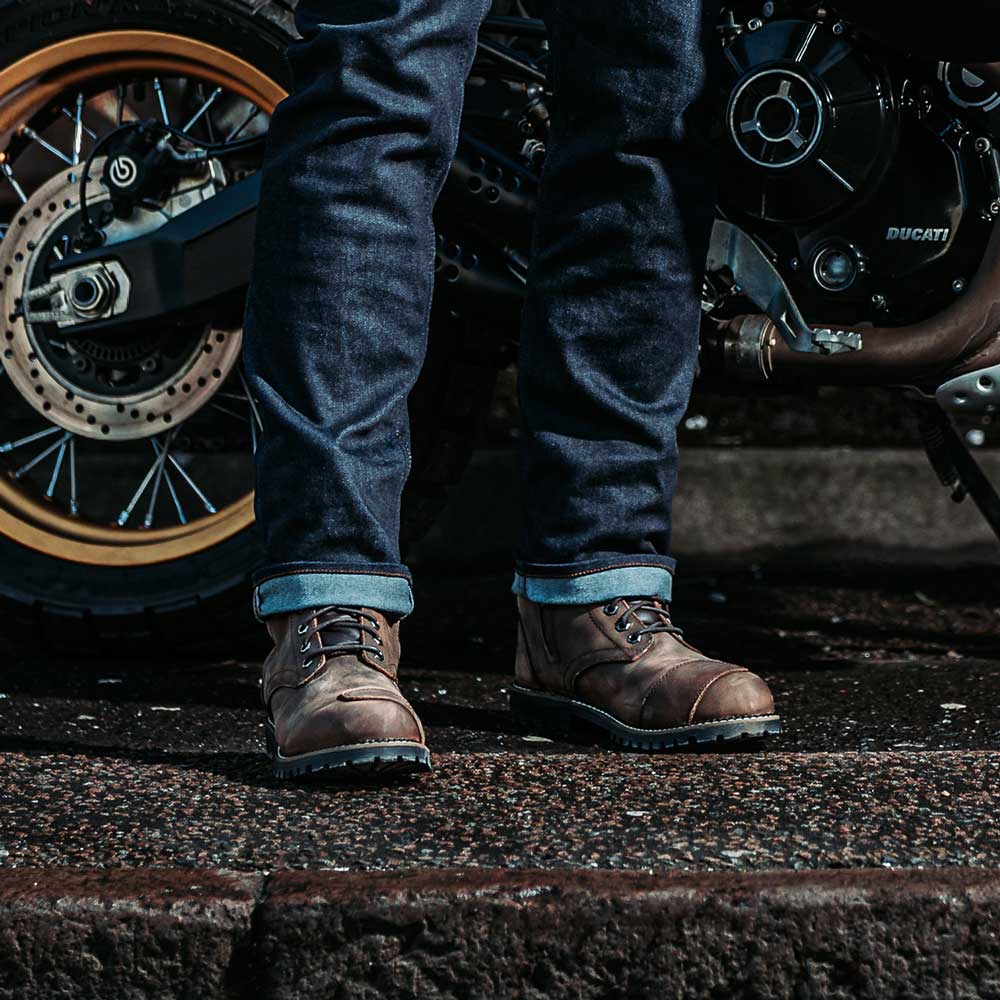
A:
x: 623, y: 668
x: 332, y: 698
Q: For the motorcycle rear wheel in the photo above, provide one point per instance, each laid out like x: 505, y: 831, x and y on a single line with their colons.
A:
x: 108, y: 588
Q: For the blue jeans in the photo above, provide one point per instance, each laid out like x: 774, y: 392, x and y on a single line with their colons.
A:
x: 337, y: 316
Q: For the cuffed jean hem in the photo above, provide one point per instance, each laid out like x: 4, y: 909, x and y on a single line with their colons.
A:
x: 297, y: 591
x: 594, y: 586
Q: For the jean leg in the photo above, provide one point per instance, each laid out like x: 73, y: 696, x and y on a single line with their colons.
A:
x: 610, y: 327
x: 339, y: 303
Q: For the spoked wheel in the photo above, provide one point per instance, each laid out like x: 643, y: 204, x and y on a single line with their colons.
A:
x: 126, y: 462
x: 120, y: 451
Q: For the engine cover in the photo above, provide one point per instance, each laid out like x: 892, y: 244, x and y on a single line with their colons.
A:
x: 866, y: 177
x: 809, y: 122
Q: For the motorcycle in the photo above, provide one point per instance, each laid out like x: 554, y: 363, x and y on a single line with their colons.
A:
x: 856, y: 243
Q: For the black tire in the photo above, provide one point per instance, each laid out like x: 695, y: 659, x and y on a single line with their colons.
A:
x: 202, y: 603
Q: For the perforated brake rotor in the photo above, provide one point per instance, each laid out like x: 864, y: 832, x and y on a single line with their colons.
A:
x: 30, y: 349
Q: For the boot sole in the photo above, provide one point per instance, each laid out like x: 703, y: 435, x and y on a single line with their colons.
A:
x: 365, y: 761
x: 552, y: 714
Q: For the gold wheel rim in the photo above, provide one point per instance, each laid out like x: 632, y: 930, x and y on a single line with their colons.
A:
x: 29, y: 84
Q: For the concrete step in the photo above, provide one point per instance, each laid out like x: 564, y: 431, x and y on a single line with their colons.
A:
x: 863, y: 507
x: 474, y: 933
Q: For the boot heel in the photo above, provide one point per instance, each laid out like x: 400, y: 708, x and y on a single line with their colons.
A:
x: 533, y: 714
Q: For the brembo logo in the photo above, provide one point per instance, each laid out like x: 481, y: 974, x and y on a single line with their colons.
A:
x: 124, y: 171
x: 923, y: 235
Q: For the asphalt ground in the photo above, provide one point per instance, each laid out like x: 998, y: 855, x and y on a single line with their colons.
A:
x: 887, y: 682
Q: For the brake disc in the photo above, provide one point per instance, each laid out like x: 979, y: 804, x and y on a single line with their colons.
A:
x: 145, y: 383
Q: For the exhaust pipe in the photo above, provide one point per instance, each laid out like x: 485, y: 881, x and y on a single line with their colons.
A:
x: 964, y: 338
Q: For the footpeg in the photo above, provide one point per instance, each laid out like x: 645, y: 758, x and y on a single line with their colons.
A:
x: 734, y: 251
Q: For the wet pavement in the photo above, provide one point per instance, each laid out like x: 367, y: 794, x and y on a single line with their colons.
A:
x: 888, y: 684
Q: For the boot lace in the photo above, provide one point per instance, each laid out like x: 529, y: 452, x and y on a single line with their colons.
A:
x: 650, y: 613
x: 359, y: 633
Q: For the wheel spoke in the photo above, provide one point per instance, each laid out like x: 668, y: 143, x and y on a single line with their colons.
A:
x: 213, y: 137
x: 78, y: 132
x: 161, y: 461
x: 11, y: 445
x: 8, y: 172
x: 194, y: 486
x: 35, y: 137
x: 173, y: 496
x: 87, y: 131
x: 236, y: 131
x: 74, y: 506
x: 250, y: 399
x: 64, y: 444
x: 158, y: 87
x: 137, y: 496
x: 28, y: 466
x: 227, y: 411
x: 201, y: 111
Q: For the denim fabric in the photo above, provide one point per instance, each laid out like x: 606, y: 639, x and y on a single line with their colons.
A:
x: 297, y: 587
x: 337, y: 314
x: 591, y: 586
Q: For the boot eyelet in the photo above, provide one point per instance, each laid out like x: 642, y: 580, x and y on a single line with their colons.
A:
x: 380, y: 655
x: 378, y: 640
x: 610, y: 609
x: 306, y: 664
x: 303, y: 628
x: 621, y: 626
x: 304, y: 648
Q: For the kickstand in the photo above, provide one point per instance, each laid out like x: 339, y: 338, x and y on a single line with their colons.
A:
x: 954, y: 464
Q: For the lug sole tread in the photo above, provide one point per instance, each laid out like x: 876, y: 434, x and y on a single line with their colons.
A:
x: 550, y: 714
x: 362, y: 761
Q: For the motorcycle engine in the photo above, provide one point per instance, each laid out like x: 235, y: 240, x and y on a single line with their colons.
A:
x: 870, y: 179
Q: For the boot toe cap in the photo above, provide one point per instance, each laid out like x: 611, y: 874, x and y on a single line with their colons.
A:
x: 345, y: 723
x: 734, y: 695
